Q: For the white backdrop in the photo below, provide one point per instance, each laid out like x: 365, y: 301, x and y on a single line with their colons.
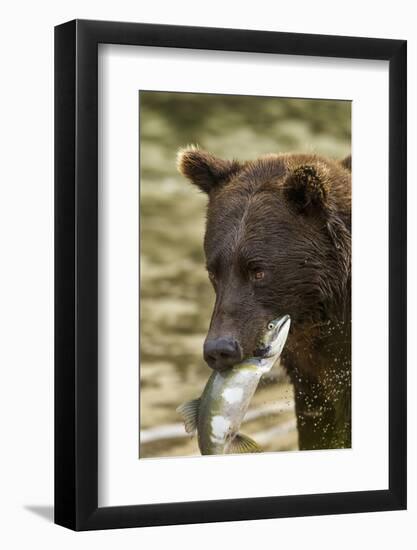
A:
x: 123, y: 479
x: 26, y: 290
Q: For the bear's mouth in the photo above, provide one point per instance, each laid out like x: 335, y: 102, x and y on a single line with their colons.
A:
x: 262, y: 352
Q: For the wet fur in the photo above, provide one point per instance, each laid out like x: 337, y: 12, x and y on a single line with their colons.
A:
x: 288, y: 215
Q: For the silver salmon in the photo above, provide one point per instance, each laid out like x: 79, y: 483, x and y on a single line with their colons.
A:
x: 219, y: 412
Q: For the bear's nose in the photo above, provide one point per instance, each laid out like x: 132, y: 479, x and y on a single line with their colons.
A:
x: 222, y: 353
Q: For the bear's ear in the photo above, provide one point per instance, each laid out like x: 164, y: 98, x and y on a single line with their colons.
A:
x: 347, y: 163
x: 204, y: 169
x: 307, y: 186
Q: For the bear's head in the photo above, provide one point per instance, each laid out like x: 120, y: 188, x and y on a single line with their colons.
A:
x: 277, y: 242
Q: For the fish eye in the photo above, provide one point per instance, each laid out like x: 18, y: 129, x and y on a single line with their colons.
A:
x: 270, y: 326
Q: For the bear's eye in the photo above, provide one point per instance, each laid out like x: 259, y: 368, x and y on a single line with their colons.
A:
x: 258, y: 275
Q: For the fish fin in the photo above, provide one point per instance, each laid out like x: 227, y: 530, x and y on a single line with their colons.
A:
x: 189, y: 413
x: 244, y: 444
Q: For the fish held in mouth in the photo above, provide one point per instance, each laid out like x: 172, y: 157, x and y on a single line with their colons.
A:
x: 218, y: 413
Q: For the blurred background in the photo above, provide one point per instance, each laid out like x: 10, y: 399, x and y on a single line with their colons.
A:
x: 176, y: 297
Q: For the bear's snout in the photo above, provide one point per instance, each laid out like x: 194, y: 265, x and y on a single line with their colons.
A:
x: 222, y: 353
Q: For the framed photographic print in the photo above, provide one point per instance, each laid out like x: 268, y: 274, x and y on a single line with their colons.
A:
x: 230, y: 275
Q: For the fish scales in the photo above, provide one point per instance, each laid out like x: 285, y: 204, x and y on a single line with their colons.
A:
x: 219, y: 412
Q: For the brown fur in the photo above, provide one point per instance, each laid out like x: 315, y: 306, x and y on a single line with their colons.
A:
x: 287, y: 216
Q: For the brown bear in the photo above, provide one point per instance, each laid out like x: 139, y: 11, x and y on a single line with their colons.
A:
x: 278, y: 241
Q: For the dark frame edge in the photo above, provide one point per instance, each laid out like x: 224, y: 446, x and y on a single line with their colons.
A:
x: 398, y: 273
x: 65, y: 258
x: 119, y: 517
x: 76, y: 483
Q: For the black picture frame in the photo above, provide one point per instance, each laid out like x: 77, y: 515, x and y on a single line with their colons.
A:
x: 76, y: 272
